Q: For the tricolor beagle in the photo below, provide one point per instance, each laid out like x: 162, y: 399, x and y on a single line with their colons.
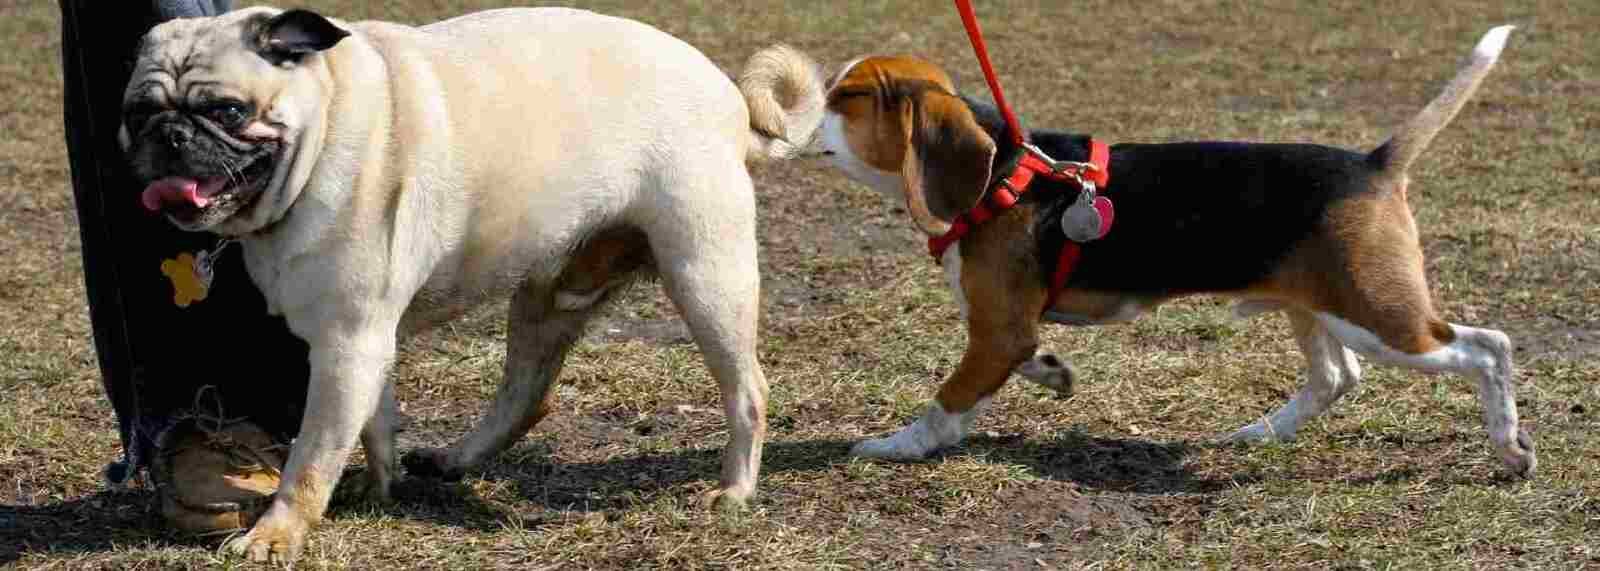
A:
x: 1321, y: 233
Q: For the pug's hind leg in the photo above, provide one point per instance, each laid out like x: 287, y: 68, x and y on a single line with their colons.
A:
x: 377, y: 438
x: 715, y: 282
x: 538, y: 337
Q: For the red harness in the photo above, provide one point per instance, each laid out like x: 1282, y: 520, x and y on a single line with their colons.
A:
x: 1089, y: 176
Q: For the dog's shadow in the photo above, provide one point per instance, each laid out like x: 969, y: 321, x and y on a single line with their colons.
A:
x: 567, y: 490
x: 95, y: 523
x: 104, y: 520
x: 573, y: 489
x: 1097, y: 463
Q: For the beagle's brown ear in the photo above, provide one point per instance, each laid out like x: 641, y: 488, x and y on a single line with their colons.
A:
x: 947, y: 160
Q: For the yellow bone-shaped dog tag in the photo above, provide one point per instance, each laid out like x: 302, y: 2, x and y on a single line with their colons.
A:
x: 187, y: 287
x: 191, y: 274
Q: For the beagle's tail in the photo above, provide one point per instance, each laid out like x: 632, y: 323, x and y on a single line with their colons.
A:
x: 783, y: 89
x: 1396, y: 154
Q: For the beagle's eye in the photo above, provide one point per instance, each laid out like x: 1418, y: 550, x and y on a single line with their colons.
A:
x: 231, y: 115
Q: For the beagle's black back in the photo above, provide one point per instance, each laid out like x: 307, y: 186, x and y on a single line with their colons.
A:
x: 1190, y: 217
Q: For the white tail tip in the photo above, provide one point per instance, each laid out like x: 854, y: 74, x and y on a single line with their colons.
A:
x: 1493, y: 42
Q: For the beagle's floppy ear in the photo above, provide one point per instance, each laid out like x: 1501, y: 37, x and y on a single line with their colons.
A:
x: 947, y: 160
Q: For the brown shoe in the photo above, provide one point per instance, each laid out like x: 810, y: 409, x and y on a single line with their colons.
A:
x: 215, y: 475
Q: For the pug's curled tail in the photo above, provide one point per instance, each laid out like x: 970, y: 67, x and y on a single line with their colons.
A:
x: 783, y: 89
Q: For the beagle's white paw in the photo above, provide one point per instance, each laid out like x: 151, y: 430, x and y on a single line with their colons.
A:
x: 936, y: 429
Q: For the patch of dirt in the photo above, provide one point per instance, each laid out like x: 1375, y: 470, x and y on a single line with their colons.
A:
x: 612, y: 328
x: 783, y: 299
x: 1044, y: 504
x: 841, y: 220
x: 1157, y: 41
x: 1545, y: 339
x: 1041, y: 524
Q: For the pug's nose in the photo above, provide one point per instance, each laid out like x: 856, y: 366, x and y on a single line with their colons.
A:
x: 177, y: 137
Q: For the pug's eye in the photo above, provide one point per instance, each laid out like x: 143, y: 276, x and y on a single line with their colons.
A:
x: 230, y: 115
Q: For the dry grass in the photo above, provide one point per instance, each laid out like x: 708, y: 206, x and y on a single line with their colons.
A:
x: 858, y: 331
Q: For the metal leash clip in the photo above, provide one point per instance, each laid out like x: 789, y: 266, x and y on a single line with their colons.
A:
x: 1068, y: 168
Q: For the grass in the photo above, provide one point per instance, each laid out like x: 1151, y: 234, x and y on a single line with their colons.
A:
x: 858, y: 330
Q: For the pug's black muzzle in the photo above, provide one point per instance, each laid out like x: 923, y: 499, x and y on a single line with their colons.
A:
x: 197, y: 174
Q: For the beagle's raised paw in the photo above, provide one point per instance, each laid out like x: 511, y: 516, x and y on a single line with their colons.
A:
x: 1050, y: 372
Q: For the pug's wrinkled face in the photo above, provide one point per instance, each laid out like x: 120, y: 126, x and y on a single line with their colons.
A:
x: 218, y: 111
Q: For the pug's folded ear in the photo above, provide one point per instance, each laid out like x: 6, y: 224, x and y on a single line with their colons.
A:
x: 290, y: 36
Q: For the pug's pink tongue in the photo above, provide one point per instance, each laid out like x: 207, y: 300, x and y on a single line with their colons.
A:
x: 180, y: 190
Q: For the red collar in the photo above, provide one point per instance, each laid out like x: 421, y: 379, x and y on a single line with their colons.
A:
x: 1010, y: 189
x: 1094, y: 174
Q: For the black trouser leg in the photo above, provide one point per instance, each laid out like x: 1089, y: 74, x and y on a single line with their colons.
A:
x: 153, y: 354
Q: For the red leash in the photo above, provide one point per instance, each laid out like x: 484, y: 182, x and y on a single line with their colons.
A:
x: 970, y: 20
x: 1089, y: 176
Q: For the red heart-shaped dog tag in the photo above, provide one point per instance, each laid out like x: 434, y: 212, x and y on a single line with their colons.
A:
x: 1088, y: 219
x: 1103, y: 206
